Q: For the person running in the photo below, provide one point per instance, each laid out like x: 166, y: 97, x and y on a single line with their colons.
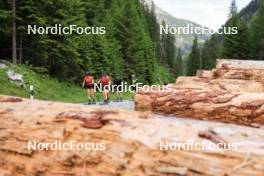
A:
x: 118, y: 89
x: 105, y: 82
x: 88, y: 84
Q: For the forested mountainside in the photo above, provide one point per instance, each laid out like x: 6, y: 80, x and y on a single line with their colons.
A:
x: 127, y: 48
x: 250, y: 10
x: 247, y: 44
x: 183, y: 41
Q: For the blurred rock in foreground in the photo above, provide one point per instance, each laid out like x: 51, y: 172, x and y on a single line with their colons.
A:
x: 131, y: 141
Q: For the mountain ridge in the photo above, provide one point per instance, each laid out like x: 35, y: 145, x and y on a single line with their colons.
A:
x: 250, y: 10
x: 183, y: 41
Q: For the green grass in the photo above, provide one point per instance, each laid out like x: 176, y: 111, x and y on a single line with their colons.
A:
x: 45, y: 87
x: 164, y: 75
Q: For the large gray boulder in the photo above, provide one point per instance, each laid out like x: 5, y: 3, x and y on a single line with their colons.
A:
x: 15, y: 77
x: 2, y: 66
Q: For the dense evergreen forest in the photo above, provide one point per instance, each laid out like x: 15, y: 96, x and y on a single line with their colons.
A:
x: 247, y: 44
x: 131, y: 45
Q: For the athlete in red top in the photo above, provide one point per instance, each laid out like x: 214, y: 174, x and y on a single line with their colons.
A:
x: 88, y: 84
x: 105, y: 82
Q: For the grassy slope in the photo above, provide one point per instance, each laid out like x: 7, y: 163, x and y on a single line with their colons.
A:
x: 45, y: 88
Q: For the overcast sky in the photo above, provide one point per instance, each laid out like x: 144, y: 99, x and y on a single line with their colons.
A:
x: 210, y: 13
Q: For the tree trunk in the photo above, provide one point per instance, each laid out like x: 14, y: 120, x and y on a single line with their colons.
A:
x: 239, y: 64
x: 136, y: 143
x: 240, y: 69
x: 20, y: 50
x: 14, y: 48
x: 229, y: 85
x: 233, y: 93
x: 238, y: 108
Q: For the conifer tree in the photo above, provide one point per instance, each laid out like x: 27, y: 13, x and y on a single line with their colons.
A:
x: 257, y: 33
x: 193, y: 62
x: 170, y: 49
x: 178, y: 65
x: 163, y: 46
x: 233, y: 9
x: 137, y: 48
x: 210, y: 52
x: 5, y: 29
x: 153, y: 25
x: 237, y: 46
x: 14, y: 30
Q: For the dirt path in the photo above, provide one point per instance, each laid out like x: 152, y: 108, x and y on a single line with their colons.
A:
x: 126, y: 105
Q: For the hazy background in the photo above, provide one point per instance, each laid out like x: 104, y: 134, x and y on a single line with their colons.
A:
x: 210, y: 13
